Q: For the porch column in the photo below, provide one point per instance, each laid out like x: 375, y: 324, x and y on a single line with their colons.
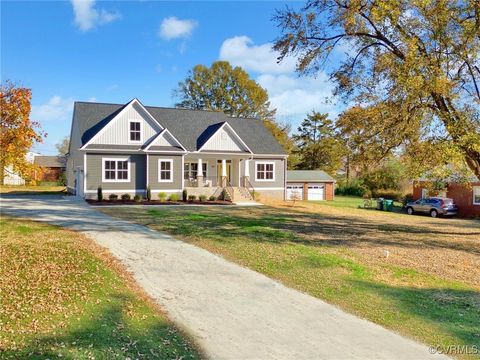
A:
x: 247, y: 173
x: 199, y: 173
x: 224, y: 172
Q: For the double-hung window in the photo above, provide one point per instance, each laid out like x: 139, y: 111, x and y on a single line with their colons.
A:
x: 116, y: 170
x: 135, y: 131
x: 165, y: 170
x: 190, y: 170
x: 476, y: 195
x: 265, y: 171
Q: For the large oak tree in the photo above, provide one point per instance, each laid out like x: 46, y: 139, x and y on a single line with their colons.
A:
x: 222, y: 87
x: 413, y: 71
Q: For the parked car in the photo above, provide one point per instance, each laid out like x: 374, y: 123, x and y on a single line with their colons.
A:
x: 433, y: 206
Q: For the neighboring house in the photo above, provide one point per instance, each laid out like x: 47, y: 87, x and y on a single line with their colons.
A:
x: 51, y: 167
x: 125, y: 148
x: 309, y: 185
x: 465, y: 195
x: 11, y: 177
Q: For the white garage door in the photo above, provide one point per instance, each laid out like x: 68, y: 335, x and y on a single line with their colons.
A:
x: 316, y: 192
x: 295, y: 190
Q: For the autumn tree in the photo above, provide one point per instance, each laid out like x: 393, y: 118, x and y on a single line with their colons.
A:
x: 17, y: 131
x: 412, y: 70
x: 222, y: 87
x: 318, y: 144
x: 63, y: 145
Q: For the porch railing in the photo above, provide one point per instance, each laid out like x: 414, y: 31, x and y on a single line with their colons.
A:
x: 229, y: 190
x: 207, y: 181
x: 248, y: 185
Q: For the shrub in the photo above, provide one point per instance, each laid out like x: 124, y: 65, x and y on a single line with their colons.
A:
x: 192, y: 198
x: 149, y: 193
x: 162, y: 196
x: 202, y: 198
x: 256, y: 195
x: 99, y: 194
x: 137, y: 198
x: 173, y: 197
x: 351, y: 188
x: 389, y: 194
x: 406, y: 199
x: 62, y: 179
x: 212, y: 198
x: 113, y: 196
x: 184, y: 195
x: 125, y: 197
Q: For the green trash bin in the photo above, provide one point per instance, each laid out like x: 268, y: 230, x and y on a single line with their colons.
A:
x: 388, y: 205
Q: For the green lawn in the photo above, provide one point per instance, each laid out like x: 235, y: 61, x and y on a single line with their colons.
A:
x: 342, y: 202
x: 338, y: 255
x: 62, y: 296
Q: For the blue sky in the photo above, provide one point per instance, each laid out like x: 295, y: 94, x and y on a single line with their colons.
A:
x: 90, y: 50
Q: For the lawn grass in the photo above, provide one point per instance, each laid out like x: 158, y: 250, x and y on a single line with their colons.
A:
x: 63, y: 296
x: 342, y: 202
x: 32, y: 190
x: 319, y: 254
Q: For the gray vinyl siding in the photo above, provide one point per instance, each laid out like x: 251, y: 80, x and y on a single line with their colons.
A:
x: 153, y: 172
x: 75, y: 157
x: 137, y: 172
x: 279, y: 169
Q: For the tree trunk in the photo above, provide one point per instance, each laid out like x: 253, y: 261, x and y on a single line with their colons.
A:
x: 472, y: 158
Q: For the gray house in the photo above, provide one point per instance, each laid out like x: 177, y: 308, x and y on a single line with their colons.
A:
x: 125, y: 148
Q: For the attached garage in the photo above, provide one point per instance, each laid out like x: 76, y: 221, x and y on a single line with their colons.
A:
x: 313, y: 185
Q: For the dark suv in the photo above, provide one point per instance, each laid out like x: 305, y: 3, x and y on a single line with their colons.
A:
x: 434, y: 206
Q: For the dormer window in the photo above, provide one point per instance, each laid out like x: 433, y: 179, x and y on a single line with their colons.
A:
x: 135, y: 131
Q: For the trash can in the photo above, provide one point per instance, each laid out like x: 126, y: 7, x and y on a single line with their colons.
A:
x: 380, y: 204
x: 388, y: 205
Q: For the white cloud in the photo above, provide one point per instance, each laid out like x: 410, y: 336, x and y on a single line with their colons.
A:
x: 293, y: 96
x: 174, y: 28
x: 55, y: 109
x: 88, y: 17
x: 241, y: 51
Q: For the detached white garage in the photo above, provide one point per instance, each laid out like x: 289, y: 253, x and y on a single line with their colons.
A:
x: 314, y: 185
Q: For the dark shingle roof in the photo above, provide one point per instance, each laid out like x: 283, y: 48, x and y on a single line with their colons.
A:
x: 308, y: 176
x: 49, y: 161
x: 190, y: 127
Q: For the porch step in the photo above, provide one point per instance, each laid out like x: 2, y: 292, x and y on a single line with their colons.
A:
x: 242, y: 195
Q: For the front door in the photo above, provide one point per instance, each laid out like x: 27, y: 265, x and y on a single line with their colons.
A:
x: 219, y: 171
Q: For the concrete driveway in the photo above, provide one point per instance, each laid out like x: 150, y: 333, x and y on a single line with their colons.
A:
x: 230, y: 311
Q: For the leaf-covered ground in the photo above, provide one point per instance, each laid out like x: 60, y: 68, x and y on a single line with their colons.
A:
x: 427, y: 288
x: 63, y: 296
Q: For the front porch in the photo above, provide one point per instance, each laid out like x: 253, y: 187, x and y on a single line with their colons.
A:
x: 210, y: 174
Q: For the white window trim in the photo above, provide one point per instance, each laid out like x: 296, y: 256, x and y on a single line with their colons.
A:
x: 127, y: 159
x: 171, y: 170
x: 141, y: 131
x: 473, y: 195
x: 265, y: 163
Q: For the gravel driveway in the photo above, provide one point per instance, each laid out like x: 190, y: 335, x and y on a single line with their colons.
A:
x: 231, y: 312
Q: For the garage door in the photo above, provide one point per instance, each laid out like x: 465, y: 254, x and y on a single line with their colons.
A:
x: 295, y: 190
x: 316, y: 192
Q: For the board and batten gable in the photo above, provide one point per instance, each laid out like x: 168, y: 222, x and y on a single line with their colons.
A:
x: 118, y: 132
x: 75, y: 156
x: 94, y: 175
x: 224, y: 140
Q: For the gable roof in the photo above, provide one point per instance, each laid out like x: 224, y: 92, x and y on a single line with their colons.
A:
x: 189, y: 127
x: 308, y: 176
x: 49, y: 161
x: 214, y: 130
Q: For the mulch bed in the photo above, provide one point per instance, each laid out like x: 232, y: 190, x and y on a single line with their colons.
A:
x: 155, y: 202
